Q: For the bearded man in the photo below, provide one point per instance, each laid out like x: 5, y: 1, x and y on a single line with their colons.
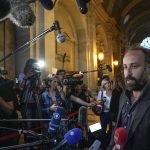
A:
x: 134, y: 107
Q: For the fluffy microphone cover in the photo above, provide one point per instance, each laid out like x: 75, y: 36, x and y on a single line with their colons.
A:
x: 18, y: 11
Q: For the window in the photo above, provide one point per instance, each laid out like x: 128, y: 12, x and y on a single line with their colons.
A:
x: 146, y: 43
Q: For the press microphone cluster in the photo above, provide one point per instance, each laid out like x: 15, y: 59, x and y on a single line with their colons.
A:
x: 71, y: 138
x: 120, y: 138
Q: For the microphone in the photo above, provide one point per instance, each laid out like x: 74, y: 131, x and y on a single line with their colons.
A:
x: 71, y: 137
x: 47, y: 4
x: 96, y: 145
x: 21, y: 13
x: 120, y: 138
x: 82, y: 6
x: 60, y: 37
x: 55, y: 121
x: 82, y: 117
x: 4, y: 9
x: 108, y: 68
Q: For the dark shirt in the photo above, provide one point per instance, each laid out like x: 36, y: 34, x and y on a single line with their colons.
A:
x: 129, y: 109
x: 114, y: 104
x: 7, y: 93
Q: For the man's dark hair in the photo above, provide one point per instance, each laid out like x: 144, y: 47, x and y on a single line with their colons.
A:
x: 59, y: 71
x: 29, y: 64
x: 144, y: 50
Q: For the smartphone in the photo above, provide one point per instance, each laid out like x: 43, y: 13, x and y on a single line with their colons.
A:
x: 95, y: 127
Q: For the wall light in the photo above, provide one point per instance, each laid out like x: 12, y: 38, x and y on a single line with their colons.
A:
x: 115, y: 62
x: 100, y: 56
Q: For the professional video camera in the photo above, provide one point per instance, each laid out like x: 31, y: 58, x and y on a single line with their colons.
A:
x: 72, y: 80
x: 35, y: 69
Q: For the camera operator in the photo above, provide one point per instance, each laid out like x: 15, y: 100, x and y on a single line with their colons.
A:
x: 68, y: 89
x: 7, y: 110
x: 30, y: 86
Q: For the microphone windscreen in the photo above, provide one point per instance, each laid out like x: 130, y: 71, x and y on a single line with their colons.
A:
x: 73, y: 136
x: 120, y: 136
x: 82, y: 6
x: 4, y: 9
x: 55, y: 122
x: 47, y: 4
x: 61, y: 38
x: 22, y: 16
x: 82, y: 117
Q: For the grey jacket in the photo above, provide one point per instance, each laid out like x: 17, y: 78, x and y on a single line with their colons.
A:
x: 139, y: 131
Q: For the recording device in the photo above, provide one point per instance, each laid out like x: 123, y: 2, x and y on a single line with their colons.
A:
x: 95, y: 127
x: 60, y: 37
x: 71, y: 138
x: 96, y: 145
x: 72, y: 80
x: 120, y: 138
x: 55, y: 121
x: 97, y: 109
x: 82, y: 5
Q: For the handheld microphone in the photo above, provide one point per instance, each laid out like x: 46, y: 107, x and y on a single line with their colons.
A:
x: 120, y: 138
x: 55, y: 121
x: 96, y: 145
x: 82, y: 117
x: 71, y: 137
x: 4, y: 9
x: 60, y: 37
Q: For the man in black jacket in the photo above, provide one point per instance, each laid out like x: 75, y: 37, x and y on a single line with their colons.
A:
x: 134, y: 107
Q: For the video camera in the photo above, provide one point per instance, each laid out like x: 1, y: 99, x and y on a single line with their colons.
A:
x: 72, y: 80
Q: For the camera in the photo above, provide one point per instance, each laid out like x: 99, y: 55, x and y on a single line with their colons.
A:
x: 72, y: 80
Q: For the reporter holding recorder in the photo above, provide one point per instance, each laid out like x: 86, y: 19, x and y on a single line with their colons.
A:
x: 134, y: 107
x: 104, y: 98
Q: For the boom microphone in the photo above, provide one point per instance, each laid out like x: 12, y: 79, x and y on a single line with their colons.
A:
x: 60, y: 37
x: 47, y: 4
x: 71, y: 137
x: 4, y: 9
x: 21, y: 13
x: 120, y: 138
x: 82, y: 5
x: 55, y: 121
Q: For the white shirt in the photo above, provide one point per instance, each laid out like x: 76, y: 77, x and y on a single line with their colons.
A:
x: 104, y: 97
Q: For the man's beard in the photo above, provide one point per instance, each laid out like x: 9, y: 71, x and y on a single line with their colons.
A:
x: 137, y: 85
